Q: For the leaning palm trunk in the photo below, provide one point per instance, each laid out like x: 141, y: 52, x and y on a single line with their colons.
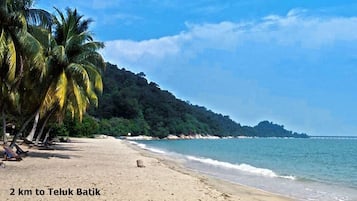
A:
x: 39, y: 135
x: 31, y: 135
x: 23, y: 127
x: 4, y: 125
x: 46, y: 137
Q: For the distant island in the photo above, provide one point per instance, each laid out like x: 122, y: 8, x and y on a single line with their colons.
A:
x: 131, y: 104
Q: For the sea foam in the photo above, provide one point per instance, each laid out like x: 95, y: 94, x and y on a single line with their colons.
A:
x: 143, y: 146
x: 241, y: 167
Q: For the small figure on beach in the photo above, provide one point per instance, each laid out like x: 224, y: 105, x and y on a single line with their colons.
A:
x: 140, y: 164
x: 10, y: 155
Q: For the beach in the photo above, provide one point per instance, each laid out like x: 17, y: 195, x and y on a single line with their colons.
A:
x: 105, y: 169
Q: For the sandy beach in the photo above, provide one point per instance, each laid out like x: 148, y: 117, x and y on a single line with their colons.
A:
x: 105, y: 169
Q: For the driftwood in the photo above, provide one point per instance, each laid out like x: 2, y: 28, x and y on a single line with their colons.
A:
x: 140, y: 163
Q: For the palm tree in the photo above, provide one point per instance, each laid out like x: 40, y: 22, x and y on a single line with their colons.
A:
x: 80, y: 66
x: 74, y: 67
x: 31, y: 85
x: 70, y: 59
x: 20, y: 52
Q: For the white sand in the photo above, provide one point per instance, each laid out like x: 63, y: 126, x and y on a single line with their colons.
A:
x: 108, y: 166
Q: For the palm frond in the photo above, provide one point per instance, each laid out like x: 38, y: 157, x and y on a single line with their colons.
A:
x: 78, y: 71
x: 59, y: 53
x: 42, y: 35
x: 11, y: 59
x: 95, y: 76
x: 34, y: 50
x: 96, y: 59
x: 50, y: 99
x: 93, y: 45
x: 61, y: 89
x: 92, y: 96
x: 2, y: 47
x: 81, y: 100
x: 71, y: 109
x: 21, y: 22
x: 39, y: 17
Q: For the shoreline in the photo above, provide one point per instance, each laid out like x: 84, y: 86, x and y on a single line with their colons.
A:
x: 199, y: 136
x: 108, y: 167
x: 222, y: 185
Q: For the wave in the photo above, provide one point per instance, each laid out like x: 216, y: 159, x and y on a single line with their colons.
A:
x: 241, y: 167
x: 143, y: 146
x: 208, y: 161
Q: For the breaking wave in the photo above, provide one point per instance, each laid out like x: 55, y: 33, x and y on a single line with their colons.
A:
x: 241, y: 167
x: 143, y: 146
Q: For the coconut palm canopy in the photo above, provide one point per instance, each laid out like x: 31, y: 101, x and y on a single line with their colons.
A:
x: 49, y: 65
x: 74, y: 64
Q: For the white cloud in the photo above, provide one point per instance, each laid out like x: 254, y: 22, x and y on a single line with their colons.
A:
x: 198, y: 38
x: 308, y: 31
x: 294, y: 29
x: 132, y: 51
x: 223, y: 35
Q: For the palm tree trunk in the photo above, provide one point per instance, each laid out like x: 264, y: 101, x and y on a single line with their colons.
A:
x: 46, y: 137
x: 39, y: 135
x: 23, y: 127
x: 31, y: 135
x: 4, y: 124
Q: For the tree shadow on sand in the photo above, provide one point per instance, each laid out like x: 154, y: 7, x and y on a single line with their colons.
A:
x: 48, y: 155
x: 51, y: 152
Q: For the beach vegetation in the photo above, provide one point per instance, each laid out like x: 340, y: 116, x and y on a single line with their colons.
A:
x: 21, y: 56
x: 50, y: 67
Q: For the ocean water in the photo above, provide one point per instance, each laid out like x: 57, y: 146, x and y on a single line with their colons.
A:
x: 304, y: 169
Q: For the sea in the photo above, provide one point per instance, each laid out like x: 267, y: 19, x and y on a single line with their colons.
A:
x: 303, y: 169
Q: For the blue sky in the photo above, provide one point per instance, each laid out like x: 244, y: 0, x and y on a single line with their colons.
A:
x: 291, y: 62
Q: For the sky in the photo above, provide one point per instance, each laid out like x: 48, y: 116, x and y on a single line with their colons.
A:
x: 290, y: 62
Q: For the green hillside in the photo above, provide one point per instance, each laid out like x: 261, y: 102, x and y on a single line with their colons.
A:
x: 131, y: 104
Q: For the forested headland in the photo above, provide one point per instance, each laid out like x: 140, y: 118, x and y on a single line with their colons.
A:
x: 131, y: 104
